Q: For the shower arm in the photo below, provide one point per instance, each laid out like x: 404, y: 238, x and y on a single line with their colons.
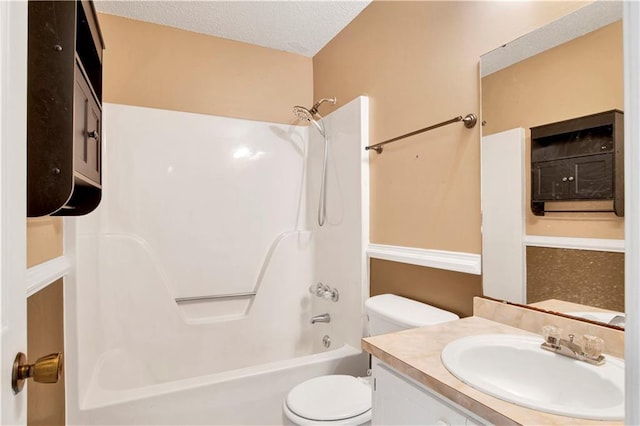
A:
x: 314, y: 108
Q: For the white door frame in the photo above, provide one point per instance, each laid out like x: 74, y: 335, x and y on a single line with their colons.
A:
x: 13, y: 178
x: 632, y: 209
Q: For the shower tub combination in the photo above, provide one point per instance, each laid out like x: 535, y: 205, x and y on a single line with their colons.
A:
x: 190, y: 303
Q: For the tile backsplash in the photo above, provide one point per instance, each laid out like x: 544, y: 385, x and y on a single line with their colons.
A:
x: 594, y: 278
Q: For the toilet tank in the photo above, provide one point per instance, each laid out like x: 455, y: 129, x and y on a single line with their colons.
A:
x: 387, y: 313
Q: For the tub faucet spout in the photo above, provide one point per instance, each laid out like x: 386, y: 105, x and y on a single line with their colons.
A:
x: 321, y: 318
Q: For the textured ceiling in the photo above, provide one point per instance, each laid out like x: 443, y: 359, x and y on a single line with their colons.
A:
x: 302, y: 27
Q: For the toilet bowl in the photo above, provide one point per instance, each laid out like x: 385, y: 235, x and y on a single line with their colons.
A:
x: 346, y: 400
x: 333, y: 399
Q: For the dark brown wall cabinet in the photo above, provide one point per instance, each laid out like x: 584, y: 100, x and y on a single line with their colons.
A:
x: 578, y: 160
x: 64, y: 108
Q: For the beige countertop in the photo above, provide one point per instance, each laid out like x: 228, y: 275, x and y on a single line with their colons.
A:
x: 416, y: 353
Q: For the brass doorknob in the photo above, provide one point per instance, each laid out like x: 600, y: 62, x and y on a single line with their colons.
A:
x: 46, y: 369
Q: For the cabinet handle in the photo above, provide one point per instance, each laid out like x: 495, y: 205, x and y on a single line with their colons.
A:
x: 570, y: 178
x: 93, y: 135
x: 564, y: 179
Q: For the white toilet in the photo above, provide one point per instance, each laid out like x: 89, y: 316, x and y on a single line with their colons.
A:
x: 346, y: 400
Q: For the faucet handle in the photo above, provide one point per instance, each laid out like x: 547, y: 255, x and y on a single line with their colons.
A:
x: 316, y: 289
x: 331, y: 294
x: 593, y: 345
x: 551, y: 334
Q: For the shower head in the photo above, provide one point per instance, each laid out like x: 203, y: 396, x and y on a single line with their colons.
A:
x: 303, y: 113
x: 307, y: 114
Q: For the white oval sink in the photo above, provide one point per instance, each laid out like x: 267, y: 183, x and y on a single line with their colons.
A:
x: 514, y: 368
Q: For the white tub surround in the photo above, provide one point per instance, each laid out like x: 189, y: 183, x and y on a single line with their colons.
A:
x: 193, y: 273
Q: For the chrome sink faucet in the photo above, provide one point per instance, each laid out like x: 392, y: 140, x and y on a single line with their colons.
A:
x: 590, y: 351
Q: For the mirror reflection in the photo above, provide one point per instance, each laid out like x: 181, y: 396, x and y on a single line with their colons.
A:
x: 570, y: 261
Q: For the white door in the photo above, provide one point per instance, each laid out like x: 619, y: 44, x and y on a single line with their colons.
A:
x: 13, y: 136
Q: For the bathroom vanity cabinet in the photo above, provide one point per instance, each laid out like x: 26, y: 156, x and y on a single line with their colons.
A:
x: 64, y: 108
x: 398, y: 399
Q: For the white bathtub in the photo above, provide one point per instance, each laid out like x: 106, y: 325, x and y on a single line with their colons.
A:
x: 247, y: 396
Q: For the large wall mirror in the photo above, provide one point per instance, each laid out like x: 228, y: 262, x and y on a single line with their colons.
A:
x: 570, y: 261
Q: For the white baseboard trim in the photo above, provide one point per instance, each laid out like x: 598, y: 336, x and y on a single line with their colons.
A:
x: 40, y: 276
x: 468, y: 263
x: 596, y: 244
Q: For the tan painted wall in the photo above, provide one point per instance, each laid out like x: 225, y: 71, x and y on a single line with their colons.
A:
x: 44, y: 239
x: 45, y: 335
x: 162, y: 67
x: 447, y: 290
x: 582, y: 77
x: 418, y: 63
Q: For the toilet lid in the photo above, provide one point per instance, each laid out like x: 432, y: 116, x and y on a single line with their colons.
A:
x: 326, y: 398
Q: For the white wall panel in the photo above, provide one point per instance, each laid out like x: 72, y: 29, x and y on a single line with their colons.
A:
x: 503, y: 255
x: 197, y: 205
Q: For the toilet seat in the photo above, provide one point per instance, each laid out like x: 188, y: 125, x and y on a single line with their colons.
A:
x: 330, y: 399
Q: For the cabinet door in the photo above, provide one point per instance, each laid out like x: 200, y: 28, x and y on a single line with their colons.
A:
x: 398, y: 401
x: 87, y: 130
x: 583, y: 178
x: 593, y: 177
x: 552, y: 180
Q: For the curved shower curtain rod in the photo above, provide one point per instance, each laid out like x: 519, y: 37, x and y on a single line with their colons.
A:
x: 469, y: 121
